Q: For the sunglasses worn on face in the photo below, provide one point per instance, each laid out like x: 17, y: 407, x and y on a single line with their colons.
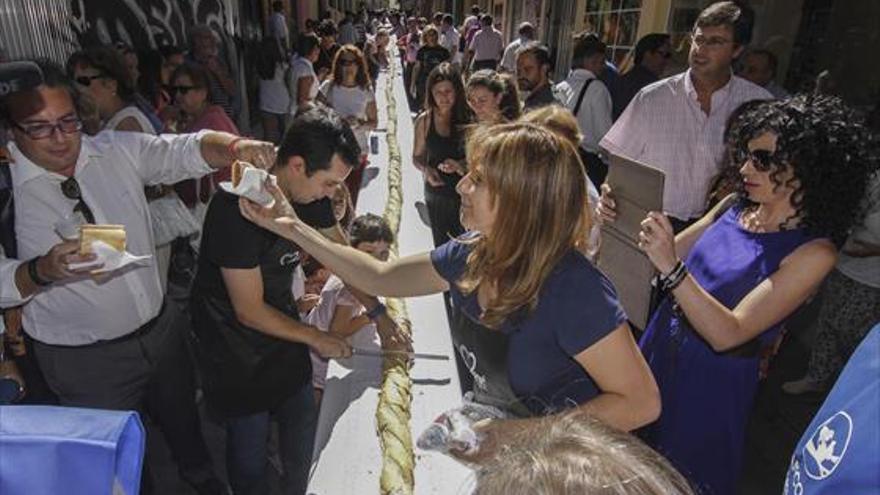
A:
x: 87, y: 80
x: 183, y: 90
x: 762, y: 160
x: 42, y: 130
x: 70, y: 189
x: 347, y: 62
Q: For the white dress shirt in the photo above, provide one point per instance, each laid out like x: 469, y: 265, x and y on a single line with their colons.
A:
x: 449, y: 40
x: 664, y: 127
x: 508, y: 60
x: 594, y: 117
x: 112, y: 170
x: 487, y: 44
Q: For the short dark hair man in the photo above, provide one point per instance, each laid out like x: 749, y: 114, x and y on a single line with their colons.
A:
x: 677, y: 124
x: 109, y: 343
x: 526, y: 33
x: 589, y: 100
x: 253, y: 350
x: 759, y: 66
x: 652, y: 54
x: 533, y: 75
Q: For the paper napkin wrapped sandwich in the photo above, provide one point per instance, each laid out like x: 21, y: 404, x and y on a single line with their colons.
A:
x: 249, y: 182
x: 108, y: 244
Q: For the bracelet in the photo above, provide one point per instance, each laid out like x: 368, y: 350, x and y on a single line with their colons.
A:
x: 32, y: 272
x: 377, y: 311
x: 674, y: 278
x: 231, y: 146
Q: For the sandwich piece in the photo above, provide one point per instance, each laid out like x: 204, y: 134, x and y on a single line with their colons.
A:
x: 238, y: 167
x: 112, y: 235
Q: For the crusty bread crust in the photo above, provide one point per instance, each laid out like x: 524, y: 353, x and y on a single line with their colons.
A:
x: 114, y: 235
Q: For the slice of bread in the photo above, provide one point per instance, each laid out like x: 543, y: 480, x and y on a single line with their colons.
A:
x: 237, y: 172
x: 113, y: 235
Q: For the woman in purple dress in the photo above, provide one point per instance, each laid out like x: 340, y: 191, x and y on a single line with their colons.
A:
x: 747, y: 265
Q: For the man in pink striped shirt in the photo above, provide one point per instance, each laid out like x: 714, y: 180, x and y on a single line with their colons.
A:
x: 677, y: 124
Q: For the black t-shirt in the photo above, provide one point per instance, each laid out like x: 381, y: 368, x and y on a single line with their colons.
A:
x: 247, y: 371
x: 325, y: 59
x: 430, y: 57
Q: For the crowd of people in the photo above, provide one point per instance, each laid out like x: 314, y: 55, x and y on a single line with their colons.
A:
x: 769, y: 199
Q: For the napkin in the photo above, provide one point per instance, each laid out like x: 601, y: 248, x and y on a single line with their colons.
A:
x: 252, y: 186
x: 110, y: 258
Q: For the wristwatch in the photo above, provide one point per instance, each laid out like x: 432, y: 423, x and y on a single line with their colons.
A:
x: 377, y: 311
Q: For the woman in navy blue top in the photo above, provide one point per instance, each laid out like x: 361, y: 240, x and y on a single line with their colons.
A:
x: 538, y: 326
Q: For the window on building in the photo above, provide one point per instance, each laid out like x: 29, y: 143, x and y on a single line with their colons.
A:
x: 616, y: 22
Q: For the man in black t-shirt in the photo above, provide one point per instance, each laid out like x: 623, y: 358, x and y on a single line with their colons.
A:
x: 253, y: 350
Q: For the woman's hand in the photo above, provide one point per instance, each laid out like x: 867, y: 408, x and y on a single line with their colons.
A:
x: 657, y: 240
x: 606, y: 209
x: 450, y: 166
x: 493, y: 435
x: 277, y: 217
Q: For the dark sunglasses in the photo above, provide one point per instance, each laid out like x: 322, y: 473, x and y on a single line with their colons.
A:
x: 762, y: 160
x: 42, y: 130
x: 70, y: 189
x: 87, y: 80
x: 182, y: 89
x: 347, y: 61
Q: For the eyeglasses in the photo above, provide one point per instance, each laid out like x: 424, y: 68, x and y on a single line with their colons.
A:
x: 183, y: 90
x: 87, y: 80
x: 70, y: 189
x: 42, y: 130
x: 347, y: 62
x: 712, y: 43
x: 762, y: 160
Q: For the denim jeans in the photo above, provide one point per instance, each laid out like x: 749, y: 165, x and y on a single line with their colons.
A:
x: 246, y: 445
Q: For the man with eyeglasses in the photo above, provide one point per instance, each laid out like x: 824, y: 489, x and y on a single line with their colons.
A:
x: 652, y: 54
x: 677, y: 124
x: 106, y: 341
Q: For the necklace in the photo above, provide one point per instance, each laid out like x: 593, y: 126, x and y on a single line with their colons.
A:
x: 751, y: 220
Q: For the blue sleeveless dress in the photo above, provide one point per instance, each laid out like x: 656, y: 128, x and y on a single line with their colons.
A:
x: 707, y: 396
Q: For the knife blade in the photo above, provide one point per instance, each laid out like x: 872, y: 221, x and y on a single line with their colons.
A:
x: 359, y: 351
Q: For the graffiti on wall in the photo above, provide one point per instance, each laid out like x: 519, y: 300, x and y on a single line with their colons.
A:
x: 148, y: 24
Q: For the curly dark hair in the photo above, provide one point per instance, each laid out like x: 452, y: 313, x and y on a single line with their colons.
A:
x: 829, y: 150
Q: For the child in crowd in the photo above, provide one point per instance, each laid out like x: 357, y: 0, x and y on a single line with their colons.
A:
x: 339, y: 312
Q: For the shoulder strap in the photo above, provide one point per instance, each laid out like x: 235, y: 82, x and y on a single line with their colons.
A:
x: 724, y: 205
x: 7, y: 211
x: 577, y: 107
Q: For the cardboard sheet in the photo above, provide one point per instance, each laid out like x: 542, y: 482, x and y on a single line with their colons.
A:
x: 637, y: 189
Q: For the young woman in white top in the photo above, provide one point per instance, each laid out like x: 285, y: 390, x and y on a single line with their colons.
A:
x: 302, y: 81
x: 102, y: 77
x: 349, y: 91
x: 274, y: 95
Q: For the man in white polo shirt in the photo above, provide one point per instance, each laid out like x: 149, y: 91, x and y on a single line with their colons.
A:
x: 677, y: 124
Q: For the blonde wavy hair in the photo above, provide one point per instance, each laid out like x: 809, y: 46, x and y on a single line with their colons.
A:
x: 577, y: 453
x: 536, y: 182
